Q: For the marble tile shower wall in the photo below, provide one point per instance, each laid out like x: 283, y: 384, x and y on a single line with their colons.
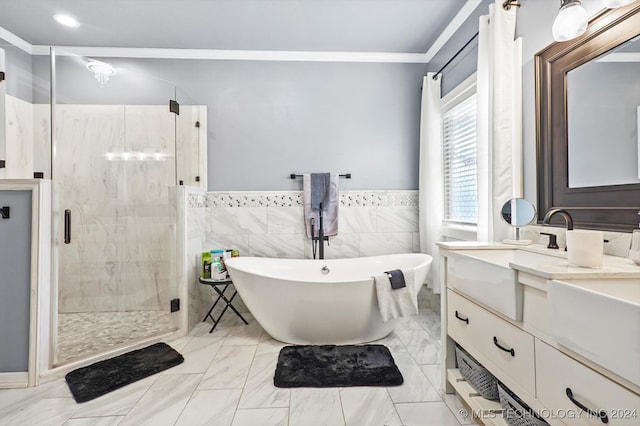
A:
x: 19, y: 153
x: 28, y: 144
x: 119, y: 258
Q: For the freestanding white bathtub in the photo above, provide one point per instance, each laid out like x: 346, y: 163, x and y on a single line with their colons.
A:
x: 295, y: 301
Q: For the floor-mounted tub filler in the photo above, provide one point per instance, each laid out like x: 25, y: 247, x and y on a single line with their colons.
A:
x: 330, y: 301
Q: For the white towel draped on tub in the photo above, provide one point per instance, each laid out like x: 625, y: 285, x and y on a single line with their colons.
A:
x: 399, y: 302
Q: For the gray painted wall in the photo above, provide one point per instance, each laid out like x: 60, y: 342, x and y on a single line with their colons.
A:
x: 466, y: 63
x: 15, y: 281
x: 19, y: 74
x: 269, y: 119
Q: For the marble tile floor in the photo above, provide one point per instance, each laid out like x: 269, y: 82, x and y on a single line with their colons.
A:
x: 227, y: 379
x: 86, y: 333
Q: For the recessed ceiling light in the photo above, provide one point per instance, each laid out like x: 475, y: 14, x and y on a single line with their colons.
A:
x: 66, y: 20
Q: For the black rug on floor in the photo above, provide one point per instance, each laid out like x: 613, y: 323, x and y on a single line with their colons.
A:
x: 336, y: 366
x: 97, y: 379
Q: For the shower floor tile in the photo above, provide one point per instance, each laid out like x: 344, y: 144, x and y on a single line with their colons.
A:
x: 86, y: 333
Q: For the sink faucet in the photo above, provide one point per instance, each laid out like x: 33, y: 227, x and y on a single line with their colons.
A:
x: 565, y: 214
x: 567, y: 217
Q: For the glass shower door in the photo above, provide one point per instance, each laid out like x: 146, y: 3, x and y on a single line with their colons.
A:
x: 113, y: 162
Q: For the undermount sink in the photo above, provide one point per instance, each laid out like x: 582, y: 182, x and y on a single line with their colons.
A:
x: 485, y: 275
x: 600, y: 320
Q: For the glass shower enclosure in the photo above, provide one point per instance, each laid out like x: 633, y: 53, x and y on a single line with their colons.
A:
x: 113, y: 161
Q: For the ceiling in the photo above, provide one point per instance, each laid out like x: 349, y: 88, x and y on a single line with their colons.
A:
x: 395, y: 26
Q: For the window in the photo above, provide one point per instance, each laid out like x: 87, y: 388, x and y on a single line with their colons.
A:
x: 459, y: 152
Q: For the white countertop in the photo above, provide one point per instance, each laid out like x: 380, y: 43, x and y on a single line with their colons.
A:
x: 550, y: 264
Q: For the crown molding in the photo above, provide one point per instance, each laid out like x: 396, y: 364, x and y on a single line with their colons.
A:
x: 455, y: 24
x: 16, y: 41
x: 215, y: 54
x: 236, y: 55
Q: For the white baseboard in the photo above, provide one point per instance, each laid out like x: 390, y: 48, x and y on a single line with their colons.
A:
x: 14, y: 380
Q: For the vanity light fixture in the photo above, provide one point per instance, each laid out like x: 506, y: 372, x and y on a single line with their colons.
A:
x: 571, y: 22
x: 66, y: 20
x: 101, y: 70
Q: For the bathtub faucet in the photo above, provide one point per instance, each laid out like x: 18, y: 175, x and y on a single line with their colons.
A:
x: 320, y: 239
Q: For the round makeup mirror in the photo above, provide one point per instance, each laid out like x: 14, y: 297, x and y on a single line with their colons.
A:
x: 518, y: 212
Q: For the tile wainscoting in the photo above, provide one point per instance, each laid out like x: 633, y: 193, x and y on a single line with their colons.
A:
x: 271, y: 224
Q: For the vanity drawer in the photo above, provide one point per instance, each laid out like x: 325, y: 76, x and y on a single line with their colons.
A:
x: 491, y: 338
x: 557, y: 372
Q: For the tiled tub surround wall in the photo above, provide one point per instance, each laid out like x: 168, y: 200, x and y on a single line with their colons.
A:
x: 271, y: 224
x: 195, y: 213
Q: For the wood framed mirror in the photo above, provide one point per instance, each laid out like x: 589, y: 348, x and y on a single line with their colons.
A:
x: 605, y: 202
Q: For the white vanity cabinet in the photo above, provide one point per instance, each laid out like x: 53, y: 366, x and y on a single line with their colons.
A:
x: 557, y: 374
x: 524, y: 356
x: 484, y: 334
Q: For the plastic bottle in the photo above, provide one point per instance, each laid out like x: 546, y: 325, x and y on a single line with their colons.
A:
x: 206, y: 264
x: 218, y: 270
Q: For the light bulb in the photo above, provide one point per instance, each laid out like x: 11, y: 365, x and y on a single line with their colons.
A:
x: 571, y: 22
x: 101, y: 70
x: 612, y: 4
x: 66, y: 20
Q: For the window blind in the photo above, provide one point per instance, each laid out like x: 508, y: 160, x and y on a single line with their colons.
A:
x: 459, y: 154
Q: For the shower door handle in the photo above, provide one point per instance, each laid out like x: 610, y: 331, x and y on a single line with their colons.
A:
x: 67, y: 226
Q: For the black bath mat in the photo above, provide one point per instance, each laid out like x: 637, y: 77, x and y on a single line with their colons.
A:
x: 97, y: 379
x: 336, y: 366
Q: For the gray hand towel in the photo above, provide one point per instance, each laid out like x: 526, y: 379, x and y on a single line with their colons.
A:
x: 330, y: 208
x: 319, y: 189
x: 397, y: 279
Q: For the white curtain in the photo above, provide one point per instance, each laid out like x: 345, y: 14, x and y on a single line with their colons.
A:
x: 499, y: 94
x: 430, y: 180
